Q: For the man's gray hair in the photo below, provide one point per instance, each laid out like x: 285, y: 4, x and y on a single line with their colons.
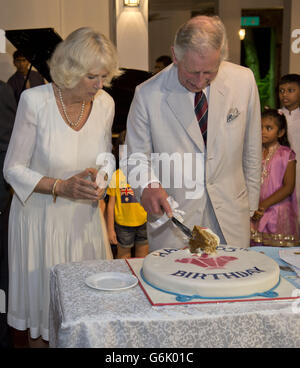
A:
x: 200, y: 34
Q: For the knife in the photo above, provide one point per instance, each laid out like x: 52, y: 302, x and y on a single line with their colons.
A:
x: 182, y: 227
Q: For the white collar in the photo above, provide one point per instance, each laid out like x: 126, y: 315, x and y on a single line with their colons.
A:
x: 291, y: 115
x: 206, y: 90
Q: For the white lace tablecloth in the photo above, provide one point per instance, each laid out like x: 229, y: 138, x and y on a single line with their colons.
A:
x: 84, y: 317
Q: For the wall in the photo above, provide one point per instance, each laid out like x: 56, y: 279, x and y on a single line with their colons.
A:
x: 290, y: 60
x: 261, y: 4
x: 294, y: 62
x: 132, y: 35
x: 62, y: 15
x: 162, y: 30
x: 130, y: 28
x: 230, y: 13
x: 163, y: 24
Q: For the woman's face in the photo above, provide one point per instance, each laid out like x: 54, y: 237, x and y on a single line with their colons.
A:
x: 90, y: 84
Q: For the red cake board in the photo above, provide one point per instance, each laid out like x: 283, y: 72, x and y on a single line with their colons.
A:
x: 159, y: 298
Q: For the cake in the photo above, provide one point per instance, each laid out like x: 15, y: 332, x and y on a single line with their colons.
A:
x: 228, y: 273
x: 203, y: 239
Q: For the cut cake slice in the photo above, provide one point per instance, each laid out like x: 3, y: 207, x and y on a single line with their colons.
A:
x: 203, y: 239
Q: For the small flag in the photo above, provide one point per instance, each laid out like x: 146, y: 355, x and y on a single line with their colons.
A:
x: 127, y: 195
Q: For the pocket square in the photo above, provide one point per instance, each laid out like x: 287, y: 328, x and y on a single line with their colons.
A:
x: 232, y: 114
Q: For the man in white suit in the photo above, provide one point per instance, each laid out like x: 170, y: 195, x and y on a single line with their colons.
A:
x: 216, y: 183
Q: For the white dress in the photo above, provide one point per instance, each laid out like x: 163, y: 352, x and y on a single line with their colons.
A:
x: 42, y: 233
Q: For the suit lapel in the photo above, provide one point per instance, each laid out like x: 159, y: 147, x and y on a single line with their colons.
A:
x: 180, y: 103
x: 216, y: 109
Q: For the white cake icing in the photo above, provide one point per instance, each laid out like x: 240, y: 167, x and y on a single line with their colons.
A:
x: 230, y: 272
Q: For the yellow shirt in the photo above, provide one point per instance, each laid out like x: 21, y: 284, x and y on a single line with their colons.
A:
x: 128, y: 211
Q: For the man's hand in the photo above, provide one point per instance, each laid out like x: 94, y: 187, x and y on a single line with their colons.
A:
x: 154, y: 200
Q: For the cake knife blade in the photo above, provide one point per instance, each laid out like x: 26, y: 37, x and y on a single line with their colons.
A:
x: 182, y: 227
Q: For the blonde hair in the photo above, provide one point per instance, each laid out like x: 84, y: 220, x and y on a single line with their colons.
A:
x: 82, y: 51
x: 200, y: 34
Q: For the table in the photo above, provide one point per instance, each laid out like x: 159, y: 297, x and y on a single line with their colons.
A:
x: 84, y: 317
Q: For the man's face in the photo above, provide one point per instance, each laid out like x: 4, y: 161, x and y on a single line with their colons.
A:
x: 21, y: 64
x: 289, y: 95
x: 195, y: 71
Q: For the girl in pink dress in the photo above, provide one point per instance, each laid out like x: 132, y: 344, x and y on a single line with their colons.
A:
x: 275, y: 221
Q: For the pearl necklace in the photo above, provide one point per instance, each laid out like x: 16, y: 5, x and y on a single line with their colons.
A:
x: 75, y: 124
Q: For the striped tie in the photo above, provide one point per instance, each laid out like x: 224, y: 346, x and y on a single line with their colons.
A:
x: 201, y: 111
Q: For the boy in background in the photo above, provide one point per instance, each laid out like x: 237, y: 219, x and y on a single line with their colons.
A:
x: 161, y: 62
x: 17, y: 80
x: 126, y: 218
x: 289, y: 96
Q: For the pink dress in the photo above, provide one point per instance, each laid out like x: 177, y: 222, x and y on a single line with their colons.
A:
x: 279, y: 220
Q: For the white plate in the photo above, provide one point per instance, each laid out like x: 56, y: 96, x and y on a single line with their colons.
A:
x: 111, y: 281
x: 291, y: 256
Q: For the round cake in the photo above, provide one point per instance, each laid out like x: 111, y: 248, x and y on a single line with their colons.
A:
x: 230, y: 272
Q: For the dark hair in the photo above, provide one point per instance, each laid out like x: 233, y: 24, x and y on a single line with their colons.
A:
x: 280, y: 121
x: 17, y: 54
x: 120, y: 140
x: 290, y: 78
x: 166, y: 60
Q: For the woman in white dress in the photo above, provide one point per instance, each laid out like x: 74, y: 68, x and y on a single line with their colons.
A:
x: 58, y: 163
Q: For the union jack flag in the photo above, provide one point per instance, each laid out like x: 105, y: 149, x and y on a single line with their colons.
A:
x: 127, y: 195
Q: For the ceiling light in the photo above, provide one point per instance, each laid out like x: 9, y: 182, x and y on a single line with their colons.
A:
x: 131, y: 2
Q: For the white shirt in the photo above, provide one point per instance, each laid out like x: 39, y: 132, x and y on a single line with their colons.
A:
x: 293, y: 122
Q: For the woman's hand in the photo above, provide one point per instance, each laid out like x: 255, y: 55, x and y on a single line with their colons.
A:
x: 81, y: 186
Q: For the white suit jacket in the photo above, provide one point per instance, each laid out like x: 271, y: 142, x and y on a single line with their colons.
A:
x: 161, y: 120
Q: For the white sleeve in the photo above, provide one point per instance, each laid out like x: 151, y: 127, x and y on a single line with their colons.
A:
x: 137, y: 163
x: 16, y: 169
x: 105, y: 160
